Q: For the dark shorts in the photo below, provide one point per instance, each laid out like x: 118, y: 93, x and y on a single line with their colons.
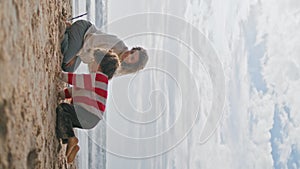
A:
x: 70, y: 116
x: 86, y: 119
x: 72, y: 42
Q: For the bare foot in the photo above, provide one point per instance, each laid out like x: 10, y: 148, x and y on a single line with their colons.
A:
x: 62, y: 29
x: 68, y: 23
x: 72, y: 143
x: 73, y: 153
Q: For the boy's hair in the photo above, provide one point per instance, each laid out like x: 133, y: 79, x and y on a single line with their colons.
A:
x: 109, y: 61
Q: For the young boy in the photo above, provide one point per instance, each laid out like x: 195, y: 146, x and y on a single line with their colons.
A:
x: 89, y: 93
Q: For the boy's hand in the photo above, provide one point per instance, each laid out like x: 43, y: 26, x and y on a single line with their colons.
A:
x: 61, y: 95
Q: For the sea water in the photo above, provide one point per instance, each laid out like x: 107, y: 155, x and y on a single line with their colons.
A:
x: 257, y: 44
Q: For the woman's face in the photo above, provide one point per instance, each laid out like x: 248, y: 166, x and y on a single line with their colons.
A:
x: 132, y: 57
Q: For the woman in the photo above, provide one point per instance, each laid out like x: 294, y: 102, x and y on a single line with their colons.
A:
x: 82, y: 36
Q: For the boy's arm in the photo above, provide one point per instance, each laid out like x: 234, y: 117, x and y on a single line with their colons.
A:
x: 65, y: 93
x: 85, y: 81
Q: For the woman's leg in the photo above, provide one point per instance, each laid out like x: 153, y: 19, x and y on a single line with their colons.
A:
x: 72, y: 43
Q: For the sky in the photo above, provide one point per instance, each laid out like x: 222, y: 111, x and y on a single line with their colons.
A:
x: 233, y: 65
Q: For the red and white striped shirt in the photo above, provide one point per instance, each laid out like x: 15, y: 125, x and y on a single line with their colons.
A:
x: 89, y: 90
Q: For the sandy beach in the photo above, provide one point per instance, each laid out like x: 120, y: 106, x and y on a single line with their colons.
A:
x: 29, y: 60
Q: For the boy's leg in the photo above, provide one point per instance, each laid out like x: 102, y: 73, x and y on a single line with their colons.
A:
x: 66, y: 119
x: 72, y: 43
x: 87, y: 119
x: 72, y: 143
x: 72, y: 155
